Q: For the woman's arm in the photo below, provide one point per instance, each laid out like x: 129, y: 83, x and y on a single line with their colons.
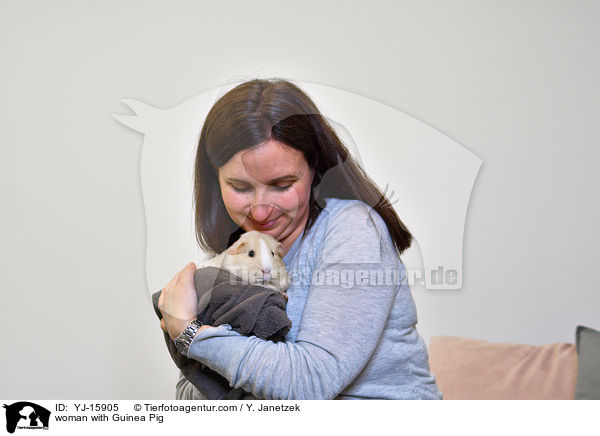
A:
x: 340, y: 328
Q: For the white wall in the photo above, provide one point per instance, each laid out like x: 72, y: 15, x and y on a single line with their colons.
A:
x: 515, y: 82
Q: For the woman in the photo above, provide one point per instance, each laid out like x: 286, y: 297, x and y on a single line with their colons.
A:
x: 267, y: 160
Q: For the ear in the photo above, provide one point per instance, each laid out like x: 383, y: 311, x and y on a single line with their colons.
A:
x: 238, y: 247
x: 279, y: 249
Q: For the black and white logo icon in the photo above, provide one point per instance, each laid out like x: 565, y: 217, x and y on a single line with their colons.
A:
x: 26, y: 415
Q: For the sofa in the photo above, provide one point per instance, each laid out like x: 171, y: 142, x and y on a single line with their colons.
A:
x: 475, y: 369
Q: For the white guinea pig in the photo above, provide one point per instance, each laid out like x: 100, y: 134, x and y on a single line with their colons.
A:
x: 256, y: 258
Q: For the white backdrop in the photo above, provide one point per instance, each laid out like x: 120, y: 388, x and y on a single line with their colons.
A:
x: 515, y: 83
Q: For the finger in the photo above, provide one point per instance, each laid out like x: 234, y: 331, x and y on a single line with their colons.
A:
x: 180, y: 273
x: 177, y: 277
x: 190, y: 268
x: 161, y: 299
x: 184, y: 274
x: 164, y: 291
x: 173, y: 280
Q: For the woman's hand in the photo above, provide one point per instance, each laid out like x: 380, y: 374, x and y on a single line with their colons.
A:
x: 178, y: 302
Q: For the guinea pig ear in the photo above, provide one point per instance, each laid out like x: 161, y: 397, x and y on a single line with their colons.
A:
x: 279, y: 249
x: 238, y: 247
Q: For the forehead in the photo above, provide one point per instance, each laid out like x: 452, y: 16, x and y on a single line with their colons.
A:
x: 265, y: 162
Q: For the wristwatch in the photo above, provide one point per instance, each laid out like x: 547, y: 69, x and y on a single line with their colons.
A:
x: 183, y: 341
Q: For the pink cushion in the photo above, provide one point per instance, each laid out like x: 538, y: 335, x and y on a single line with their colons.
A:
x: 473, y: 369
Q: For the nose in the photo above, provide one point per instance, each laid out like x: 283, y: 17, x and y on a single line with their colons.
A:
x: 260, y: 212
x: 266, y: 273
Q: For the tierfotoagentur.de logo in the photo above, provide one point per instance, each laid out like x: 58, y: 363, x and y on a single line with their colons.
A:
x: 426, y: 175
x: 26, y: 415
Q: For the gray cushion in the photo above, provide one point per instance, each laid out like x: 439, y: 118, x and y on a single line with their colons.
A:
x: 588, y: 351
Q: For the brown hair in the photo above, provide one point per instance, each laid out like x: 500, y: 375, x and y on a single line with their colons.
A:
x: 275, y: 109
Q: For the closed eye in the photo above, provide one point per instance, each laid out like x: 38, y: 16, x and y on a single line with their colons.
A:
x: 248, y: 189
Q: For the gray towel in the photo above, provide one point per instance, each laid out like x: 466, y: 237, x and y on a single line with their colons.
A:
x: 248, y: 309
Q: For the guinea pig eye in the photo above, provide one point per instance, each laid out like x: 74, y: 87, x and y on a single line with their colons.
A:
x: 273, y: 254
x: 251, y: 253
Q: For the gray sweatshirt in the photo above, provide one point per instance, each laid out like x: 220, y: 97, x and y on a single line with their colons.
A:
x: 353, y: 332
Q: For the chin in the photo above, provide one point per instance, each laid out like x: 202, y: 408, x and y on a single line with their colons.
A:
x: 271, y: 232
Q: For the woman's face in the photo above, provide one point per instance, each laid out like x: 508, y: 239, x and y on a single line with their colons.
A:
x: 267, y: 188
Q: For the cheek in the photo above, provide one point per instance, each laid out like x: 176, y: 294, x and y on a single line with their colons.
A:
x: 295, y: 198
x: 234, y: 203
x: 303, y: 192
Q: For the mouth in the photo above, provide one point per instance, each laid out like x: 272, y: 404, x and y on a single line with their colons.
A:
x: 266, y: 225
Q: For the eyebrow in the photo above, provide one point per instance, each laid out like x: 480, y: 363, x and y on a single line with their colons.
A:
x: 278, y: 179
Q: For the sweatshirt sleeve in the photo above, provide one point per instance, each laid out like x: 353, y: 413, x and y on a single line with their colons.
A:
x: 345, y: 314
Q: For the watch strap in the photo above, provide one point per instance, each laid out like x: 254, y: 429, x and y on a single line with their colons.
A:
x: 183, y: 341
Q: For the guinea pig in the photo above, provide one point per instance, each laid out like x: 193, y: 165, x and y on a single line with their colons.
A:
x: 256, y: 258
